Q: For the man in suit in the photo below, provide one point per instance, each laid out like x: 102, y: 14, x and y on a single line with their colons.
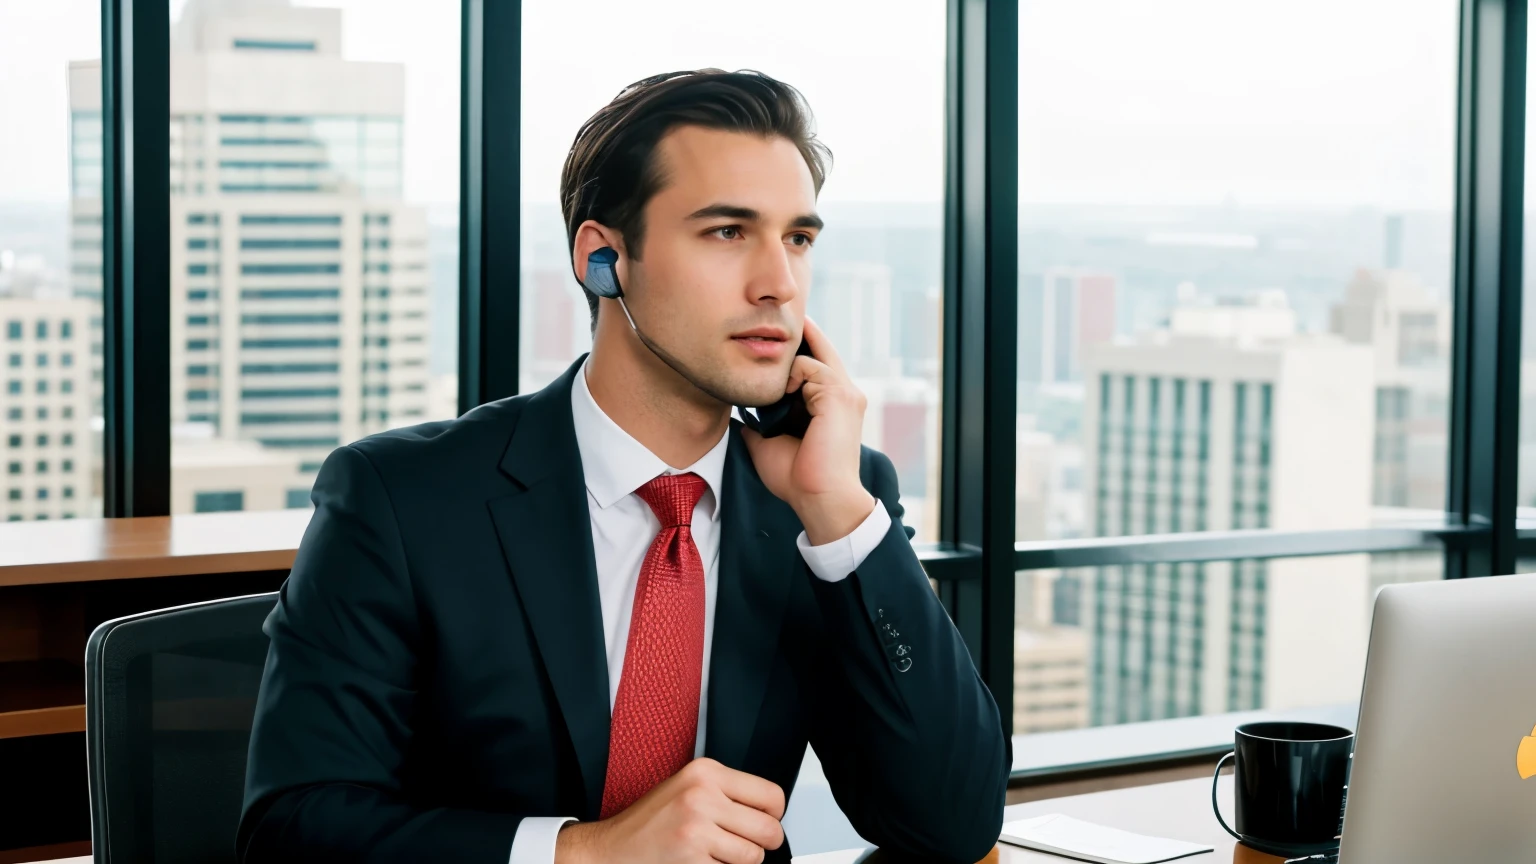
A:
x: 601, y: 622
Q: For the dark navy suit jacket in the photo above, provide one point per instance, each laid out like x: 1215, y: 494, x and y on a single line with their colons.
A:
x: 437, y: 669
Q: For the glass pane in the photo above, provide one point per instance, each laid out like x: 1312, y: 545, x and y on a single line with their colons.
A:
x: 1525, y: 485
x: 1101, y: 645
x: 314, y: 238
x: 876, y: 85
x: 1234, y: 268
x: 50, y: 260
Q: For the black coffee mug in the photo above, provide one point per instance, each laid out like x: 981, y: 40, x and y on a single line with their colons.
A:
x: 1289, y: 787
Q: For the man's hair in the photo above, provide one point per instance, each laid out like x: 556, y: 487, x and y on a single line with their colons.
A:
x: 611, y: 172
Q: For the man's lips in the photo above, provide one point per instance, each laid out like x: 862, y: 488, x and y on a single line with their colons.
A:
x: 763, y: 341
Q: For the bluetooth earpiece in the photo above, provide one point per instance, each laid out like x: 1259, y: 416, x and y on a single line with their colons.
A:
x: 603, y: 274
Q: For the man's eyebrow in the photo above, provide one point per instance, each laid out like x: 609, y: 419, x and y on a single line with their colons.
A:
x: 747, y: 214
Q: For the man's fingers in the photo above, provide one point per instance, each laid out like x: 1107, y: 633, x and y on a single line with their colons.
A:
x: 806, y: 369
x: 751, y: 790
x: 732, y: 849
x: 821, y: 346
x: 751, y: 824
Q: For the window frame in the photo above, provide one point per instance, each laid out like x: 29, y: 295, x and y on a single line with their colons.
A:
x: 976, y: 561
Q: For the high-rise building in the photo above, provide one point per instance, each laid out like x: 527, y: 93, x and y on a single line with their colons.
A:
x: 1409, y: 333
x: 1050, y: 659
x: 1060, y: 311
x: 853, y: 304
x: 300, y: 293
x: 45, y: 427
x: 1227, y: 420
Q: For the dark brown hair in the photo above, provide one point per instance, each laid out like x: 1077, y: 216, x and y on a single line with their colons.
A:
x: 611, y: 172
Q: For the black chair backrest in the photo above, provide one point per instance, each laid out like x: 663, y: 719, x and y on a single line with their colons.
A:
x: 169, y: 699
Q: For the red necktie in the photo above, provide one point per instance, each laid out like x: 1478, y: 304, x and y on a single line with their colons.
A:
x: 656, y: 711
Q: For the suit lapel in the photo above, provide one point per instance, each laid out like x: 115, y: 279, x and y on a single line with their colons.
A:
x: 757, y: 549
x: 546, y: 536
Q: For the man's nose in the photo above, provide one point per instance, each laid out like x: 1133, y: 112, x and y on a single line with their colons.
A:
x: 773, y: 279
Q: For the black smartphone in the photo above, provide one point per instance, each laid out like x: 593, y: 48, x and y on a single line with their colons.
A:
x: 788, y: 416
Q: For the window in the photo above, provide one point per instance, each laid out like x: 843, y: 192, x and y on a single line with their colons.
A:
x: 876, y: 271
x: 42, y: 493
x: 69, y: 491
x: 69, y: 439
x: 341, y: 196
x: 67, y: 385
x: 67, y: 466
x: 218, y: 502
x: 1212, y: 259
x: 14, y: 495
x: 298, y: 498
x: 50, y: 204
x: 66, y: 331
x: 1107, y: 645
x: 42, y: 440
x: 14, y: 440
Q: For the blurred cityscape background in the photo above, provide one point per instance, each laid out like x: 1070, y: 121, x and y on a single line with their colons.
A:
x: 1184, y: 365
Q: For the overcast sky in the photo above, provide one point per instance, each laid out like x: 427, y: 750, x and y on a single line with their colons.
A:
x: 1308, y: 102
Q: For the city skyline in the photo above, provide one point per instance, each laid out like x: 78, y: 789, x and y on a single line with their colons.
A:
x: 1173, y: 225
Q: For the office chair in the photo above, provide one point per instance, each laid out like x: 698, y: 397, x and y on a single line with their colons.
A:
x: 170, y: 696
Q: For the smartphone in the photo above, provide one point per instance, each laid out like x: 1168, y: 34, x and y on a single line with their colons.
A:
x: 788, y: 416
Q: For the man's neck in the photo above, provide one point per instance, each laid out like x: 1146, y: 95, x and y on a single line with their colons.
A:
x: 677, y: 426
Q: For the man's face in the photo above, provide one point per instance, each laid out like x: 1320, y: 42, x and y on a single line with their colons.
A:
x: 725, y: 263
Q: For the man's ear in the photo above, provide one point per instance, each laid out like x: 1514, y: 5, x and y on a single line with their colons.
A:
x: 591, y: 236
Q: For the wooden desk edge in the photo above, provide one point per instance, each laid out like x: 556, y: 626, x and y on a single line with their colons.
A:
x: 148, y: 567
x: 42, y: 721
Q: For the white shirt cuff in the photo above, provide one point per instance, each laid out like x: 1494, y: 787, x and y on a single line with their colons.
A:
x: 534, y: 842
x: 832, y: 562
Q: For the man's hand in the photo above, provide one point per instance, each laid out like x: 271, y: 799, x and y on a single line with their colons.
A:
x: 705, y: 812
x: 819, y: 475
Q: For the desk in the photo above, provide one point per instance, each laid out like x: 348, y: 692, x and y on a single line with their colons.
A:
x: 58, y: 580
x: 1180, y: 810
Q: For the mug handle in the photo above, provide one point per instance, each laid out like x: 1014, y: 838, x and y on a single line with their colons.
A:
x: 1215, y: 808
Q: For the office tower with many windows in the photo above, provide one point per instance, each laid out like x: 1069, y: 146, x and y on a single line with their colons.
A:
x: 1230, y: 419
x: 299, y: 277
x: 1409, y: 333
x: 45, y: 427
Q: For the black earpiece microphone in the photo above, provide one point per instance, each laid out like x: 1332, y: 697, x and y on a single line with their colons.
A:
x: 788, y: 416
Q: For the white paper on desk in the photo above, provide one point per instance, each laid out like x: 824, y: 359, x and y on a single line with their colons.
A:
x: 1074, y: 838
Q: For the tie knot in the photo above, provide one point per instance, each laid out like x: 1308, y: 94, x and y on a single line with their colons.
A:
x: 672, y: 497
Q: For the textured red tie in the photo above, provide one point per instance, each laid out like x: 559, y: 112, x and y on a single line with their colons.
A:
x: 656, y: 711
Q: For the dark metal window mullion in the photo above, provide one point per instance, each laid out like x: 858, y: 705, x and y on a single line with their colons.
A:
x: 980, y: 321
x: 490, y: 215
x: 1488, y: 285
x: 136, y: 254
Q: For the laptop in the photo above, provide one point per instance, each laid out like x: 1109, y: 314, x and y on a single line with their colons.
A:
x: 1447, y: 726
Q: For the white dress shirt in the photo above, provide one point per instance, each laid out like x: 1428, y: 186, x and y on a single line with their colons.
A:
x: 623, y: 526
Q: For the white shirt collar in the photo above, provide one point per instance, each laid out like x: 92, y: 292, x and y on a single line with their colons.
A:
x: 615, y: 464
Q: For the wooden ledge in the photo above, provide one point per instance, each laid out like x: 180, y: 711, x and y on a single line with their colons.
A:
x: 90, y: 550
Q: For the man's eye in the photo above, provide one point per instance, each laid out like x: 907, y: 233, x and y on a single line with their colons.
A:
x: 727, y: 232
x: 805, y: 239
